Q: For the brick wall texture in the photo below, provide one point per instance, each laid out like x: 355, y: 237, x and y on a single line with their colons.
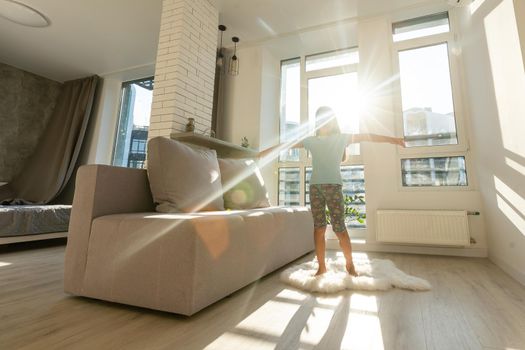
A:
x: 185, y: 67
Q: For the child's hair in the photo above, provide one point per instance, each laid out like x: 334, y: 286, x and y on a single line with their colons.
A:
x: 325, y: 117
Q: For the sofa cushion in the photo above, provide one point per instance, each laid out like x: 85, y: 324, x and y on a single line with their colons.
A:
x: 182, y: 178
x: 243, y: 184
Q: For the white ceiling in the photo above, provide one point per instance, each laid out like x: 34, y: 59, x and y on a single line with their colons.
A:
x: 258, y: 19
x: 85, y: 37
x: 255, y: 20
x: 105, y: 36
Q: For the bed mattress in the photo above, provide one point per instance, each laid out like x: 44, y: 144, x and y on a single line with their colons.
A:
x: 21, y: 220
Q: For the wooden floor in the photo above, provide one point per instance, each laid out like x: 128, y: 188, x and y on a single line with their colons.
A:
x: 473, y: 305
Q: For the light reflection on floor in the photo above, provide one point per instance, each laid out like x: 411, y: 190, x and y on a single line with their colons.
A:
x: 298, y: 320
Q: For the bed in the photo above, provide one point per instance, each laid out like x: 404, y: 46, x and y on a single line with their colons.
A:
x: 21, y: 223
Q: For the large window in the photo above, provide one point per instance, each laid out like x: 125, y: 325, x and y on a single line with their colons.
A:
x: 426, y: 91
x: 340, y: 92
x: 290, y: 105
x: 330, y: 79
x: 428, y: 103
x: 132, y: 129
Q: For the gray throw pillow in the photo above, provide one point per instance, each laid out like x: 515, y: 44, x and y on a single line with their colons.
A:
x: 243, y: 184
x: 183, y: 179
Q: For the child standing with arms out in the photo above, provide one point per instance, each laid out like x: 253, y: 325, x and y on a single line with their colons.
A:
x: 328, y: 151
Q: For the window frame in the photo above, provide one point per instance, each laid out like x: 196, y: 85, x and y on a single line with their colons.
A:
x: 301, y: 191
x: 352, y: 48
x: 462, y: 147
x: 293, y: 59
x: 304, y: 161
x: 122, y: 104
x: 323, y: 73
x: 469, y: 166
x: 417, y: 20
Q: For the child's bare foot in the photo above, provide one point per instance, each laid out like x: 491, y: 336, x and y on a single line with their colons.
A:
x: 351, y: 269
x: 320, y: 271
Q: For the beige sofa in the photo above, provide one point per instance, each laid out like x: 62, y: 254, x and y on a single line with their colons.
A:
x: 119, y: 249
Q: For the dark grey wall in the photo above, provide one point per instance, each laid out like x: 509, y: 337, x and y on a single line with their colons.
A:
x: 26, y: 104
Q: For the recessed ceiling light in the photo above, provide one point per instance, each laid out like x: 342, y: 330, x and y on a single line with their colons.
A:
x: 23, y: 14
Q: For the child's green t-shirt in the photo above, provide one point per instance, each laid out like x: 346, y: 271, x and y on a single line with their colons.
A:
x: 327, y: 154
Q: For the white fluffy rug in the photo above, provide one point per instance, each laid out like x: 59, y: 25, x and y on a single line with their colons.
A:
x: 375, y: 274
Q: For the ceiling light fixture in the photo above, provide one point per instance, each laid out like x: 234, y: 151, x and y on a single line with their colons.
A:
x: 220, y: 55
x: 23, y: 14
x: 233, y: 68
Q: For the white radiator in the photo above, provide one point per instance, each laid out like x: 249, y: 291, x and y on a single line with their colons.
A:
x: 428, y: 227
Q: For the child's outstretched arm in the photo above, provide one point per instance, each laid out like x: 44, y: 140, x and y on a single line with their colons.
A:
x: 357, y: 138
x: 269, y: 150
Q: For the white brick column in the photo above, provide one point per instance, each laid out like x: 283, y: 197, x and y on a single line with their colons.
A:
x: 185, y: 66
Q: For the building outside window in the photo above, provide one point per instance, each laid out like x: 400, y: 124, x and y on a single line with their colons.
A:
x: 439, y: 171
x: 290, y: 186
x: 133, y: 124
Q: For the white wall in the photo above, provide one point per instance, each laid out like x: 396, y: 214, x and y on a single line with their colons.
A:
x: 242, y: 99
x: 245, y: 103
x: 250, y: 106
x: 495, y: 82
x: 520, y: 21
x: 269, y: 117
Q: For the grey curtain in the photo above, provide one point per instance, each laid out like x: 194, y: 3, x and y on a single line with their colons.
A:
x: 48, y: 170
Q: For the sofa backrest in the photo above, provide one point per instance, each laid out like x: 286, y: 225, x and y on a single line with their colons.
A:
x: 100, y: 190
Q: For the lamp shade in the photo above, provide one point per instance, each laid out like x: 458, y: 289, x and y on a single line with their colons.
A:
x: 233, y: 67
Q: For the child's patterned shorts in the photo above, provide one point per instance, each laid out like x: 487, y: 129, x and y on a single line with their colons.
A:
x: 330, y: 195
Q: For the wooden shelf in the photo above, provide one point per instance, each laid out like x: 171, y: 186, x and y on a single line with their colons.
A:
x: 224, y: 149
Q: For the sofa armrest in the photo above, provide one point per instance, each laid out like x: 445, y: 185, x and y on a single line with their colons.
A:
x: 100, y: 190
